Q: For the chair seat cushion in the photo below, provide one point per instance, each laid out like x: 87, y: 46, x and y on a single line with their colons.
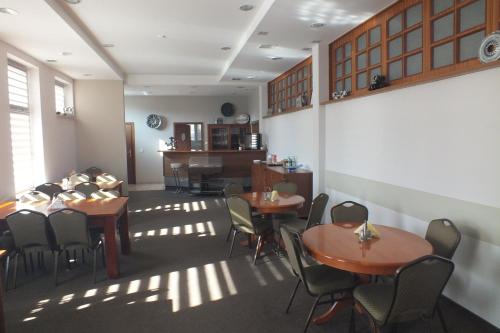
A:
x: 322, y: 279
x: 376, y: 299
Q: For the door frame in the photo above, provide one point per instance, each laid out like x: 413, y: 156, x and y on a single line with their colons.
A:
x: 132, y: 153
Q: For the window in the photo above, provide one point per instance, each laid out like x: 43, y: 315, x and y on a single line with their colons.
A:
x: 413, y: 41
x: 20, y: 127
x: 60, y: 98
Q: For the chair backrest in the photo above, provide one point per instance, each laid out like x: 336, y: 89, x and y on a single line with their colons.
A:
x: 349, y: 211
x: 71, y: 195
x: 285, y: 187
x: 232, y: 189
x: 70, y: 227
x: 28, y: 228
x: 294, y: 251
x: 317, y: 210
x: 87, y: 188
x: 241, y: 214
x: 79, y: 178
x: 106, y: 178
x: 32, y: 196
x: 50, y: 189
x: 444, y: 236
x: 417, y: 288
x: 93, y: 172
x: 105, y: 194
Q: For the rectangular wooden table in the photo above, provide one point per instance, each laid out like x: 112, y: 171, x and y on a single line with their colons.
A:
x: 110, y: 214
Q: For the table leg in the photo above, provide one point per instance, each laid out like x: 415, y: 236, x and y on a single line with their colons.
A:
x: 112, y: 258
x: 124, y: 233
x: 333, y: 311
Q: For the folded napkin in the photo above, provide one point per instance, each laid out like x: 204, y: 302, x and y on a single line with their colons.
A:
x: 370, y: 227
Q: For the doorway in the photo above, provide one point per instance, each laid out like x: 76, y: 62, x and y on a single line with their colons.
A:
x: 130, y: 141
x: 188, y: 136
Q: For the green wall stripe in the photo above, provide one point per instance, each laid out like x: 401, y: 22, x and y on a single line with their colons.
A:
x: 475, y: 220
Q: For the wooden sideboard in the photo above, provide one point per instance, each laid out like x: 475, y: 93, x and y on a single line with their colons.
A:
x: 265, y: 176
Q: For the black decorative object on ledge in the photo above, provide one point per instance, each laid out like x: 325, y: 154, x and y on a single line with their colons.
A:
x: 378, y: 81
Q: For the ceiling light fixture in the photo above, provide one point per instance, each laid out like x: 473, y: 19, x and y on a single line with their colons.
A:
x: 108, y: 45
x: 8, y: 11
x: 161, y: 36
x: 317, y: 25
x: 317, y: 41
x: 266, y: 46
x: 246, y: 8
x: 225, y: 48
x: 250, y: 76
x: 51, y: 60
x: 66, y: 53
x: 87, y: 74
x: 73, y: 2
x: 275, y: 58
x: 307, y: 49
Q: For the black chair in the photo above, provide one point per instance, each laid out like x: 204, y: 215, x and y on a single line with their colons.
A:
x: 87, y: 188
x: 105, y: 194
x: 71, y: 232
x: 93, y: 172
x: 414, y: 294
x: 316, y: 212
x: 30, y: 232
x: 444, y: 237
x: 50, y: 189
x: 34, y: 196
x: 71, y: 195
x: 319, y: 280
x: 106, y: 178
x: 78, y: 178
x: 349, y: 211
x: 244, y: 222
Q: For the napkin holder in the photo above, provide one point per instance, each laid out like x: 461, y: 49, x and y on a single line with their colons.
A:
x: 366, y: 231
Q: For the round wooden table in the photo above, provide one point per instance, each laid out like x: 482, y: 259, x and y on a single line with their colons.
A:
x: 284, y: 203
x: 336, y: 245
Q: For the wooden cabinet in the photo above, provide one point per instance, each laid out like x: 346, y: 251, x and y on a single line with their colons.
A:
x: 227, y: 137
x: 265, y: 176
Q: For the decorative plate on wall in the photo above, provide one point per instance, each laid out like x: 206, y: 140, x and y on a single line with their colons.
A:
x: 243, y: 119
x: 154, y: 121
x: 227, y: 109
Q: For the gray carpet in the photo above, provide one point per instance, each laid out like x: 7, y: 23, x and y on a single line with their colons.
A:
x: 178, y: 279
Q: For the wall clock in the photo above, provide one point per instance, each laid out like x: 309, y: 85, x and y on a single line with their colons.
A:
x: 154, y: 121
x: 227, y: 109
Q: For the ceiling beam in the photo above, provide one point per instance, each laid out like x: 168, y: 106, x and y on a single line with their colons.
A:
x: 68, y: 16
x: 182, y: 80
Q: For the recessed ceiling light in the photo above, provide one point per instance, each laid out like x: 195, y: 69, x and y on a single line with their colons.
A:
x: 66, y: 53
x: 266, y: 46
x: 51, y: 60
x: 236, y: 79
x: 161, y: 36
x: 307, y: 49
x: 246, y: 8
x: 263, y: 33
x: 317, y: 25
x: 87, y: 74
x: 108, y: 45
x: 225, y: 48
x: 8, y: 11
x: 275, y: 58
x: 73, y: 2
x: 317, y: 41
x: 250, y: 76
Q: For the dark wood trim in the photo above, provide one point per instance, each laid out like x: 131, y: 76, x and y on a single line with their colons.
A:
x: 427, y: 74
x: 195, y: 123
x: 131, y: 167
x: 288, y: 111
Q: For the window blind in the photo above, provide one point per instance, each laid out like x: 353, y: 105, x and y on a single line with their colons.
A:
x: 60, y: 99
x: 20, y: 127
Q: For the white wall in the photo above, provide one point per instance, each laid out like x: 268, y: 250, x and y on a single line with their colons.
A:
x: 54, y: 136
x: 100, y: 115
x: 206, y: 109
x: 439, y: 138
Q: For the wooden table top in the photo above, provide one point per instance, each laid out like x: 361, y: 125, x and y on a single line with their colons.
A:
x: 337, y: 246
x: 92, y: 207
x: 284, y: 202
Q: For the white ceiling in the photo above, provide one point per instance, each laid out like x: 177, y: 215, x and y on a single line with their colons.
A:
x: 195, y: 30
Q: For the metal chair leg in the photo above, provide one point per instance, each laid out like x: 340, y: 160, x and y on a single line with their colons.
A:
x: 6, y: 278
x: 16, y: 257
x: 232, y: 243
x: 32, y: 266
x: 293, y: 295
x: 83, y: 256
x: 352, y: 323
x: 441, y: 318
x: 103, y: 256
x: 308, y: 321
x: 94, y: 264
x: 56, y: 263
x: 68, y: 262
x: 257, y: 249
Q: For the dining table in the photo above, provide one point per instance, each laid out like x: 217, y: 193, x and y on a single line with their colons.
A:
x: 336, y: 245
x: 110, y: 214
x: 284, y: 202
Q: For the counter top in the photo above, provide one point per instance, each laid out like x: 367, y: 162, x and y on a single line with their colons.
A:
x: 210, y: 151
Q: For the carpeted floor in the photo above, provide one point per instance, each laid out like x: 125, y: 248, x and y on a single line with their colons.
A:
x: 178, y: 279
